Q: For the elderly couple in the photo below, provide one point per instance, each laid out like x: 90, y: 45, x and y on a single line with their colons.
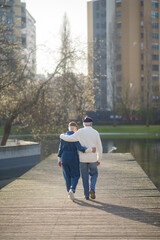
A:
x: 84, y: 145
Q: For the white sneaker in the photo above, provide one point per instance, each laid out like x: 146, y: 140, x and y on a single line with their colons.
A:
x: 71, y: 195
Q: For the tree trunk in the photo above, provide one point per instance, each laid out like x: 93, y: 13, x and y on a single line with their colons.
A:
x: 7, y: 130
x: 114, y: 119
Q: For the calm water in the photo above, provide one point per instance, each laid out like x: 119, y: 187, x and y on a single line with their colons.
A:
x: 145, y: 151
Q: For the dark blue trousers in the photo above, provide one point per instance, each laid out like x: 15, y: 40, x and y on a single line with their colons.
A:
x: 71, y: 172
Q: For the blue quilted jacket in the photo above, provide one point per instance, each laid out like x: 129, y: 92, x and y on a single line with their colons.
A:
x: 68, y: 151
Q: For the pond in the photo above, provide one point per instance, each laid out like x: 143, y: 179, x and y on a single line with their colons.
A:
x: 145, y: 151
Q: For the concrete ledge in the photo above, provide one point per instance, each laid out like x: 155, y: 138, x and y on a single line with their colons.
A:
x: 18, y: 157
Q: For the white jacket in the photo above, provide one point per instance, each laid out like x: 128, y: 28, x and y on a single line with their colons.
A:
x: 89, y: 138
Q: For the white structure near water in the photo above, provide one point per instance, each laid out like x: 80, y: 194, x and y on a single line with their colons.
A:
x: 17, y: 157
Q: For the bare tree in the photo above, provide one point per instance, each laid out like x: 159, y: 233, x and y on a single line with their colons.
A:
x: 72, y: 85
x: 46, y: 104
x: 129, y: 101
x: 19, y: 91
x: 12, y: 77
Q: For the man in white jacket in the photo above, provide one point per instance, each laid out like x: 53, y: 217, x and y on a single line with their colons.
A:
x: 88, y: 137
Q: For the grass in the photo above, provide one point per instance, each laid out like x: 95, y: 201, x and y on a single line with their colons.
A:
x: 151, y: 131
x: 129, y: 129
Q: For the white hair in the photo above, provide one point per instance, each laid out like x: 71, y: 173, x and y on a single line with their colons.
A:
x: 87, y: 123
x: 71, y: 128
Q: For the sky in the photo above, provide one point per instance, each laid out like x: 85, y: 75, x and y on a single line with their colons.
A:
x: 49, y: 18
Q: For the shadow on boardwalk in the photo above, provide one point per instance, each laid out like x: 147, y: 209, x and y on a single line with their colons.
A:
x: 125, y: 212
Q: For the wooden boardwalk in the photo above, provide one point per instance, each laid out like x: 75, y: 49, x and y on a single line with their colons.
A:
x: 36, y: 206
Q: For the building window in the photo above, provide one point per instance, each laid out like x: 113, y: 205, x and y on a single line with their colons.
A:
x: 23, y: 10
x: 97, y: 40
x: 142, y: 77
x: 103, y: 36
x: 155, y: 78
x: 155, y: 89
x: 23, y: 22
x: 9, y: 19
x: 142, y: 34
x: 142, y: 67
x: 24, y: 43
x: 97, y: 69
x: 103, y: 15
x: 155, y: 25
x: 155, y: 46
x: 119, y: 78
x: 119, y: 24
x: 142, y: 45
x: 155, y: 98
x: 155, y: 36
x: 103, y: 25
x: 119, y: 68
x: 118, y: 3
x: 142, y: 56
x: 119, y: 46
x: 103, y: 55
x: 141, y: 14
x: 119, y: 35
x: 103, y: 3
x: 142, y: 23
x: 119, y: 99
x: 155, y: 57
x: 119, y: 14
x: 119, y: 57
x: 155, y: 67
x: 141, y: 3
x: 155, y: 14
x: 155, y: 4
x: 119, y: 90
x: 97, y: 5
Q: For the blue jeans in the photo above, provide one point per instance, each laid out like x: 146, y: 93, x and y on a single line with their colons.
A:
x: 86, y: 170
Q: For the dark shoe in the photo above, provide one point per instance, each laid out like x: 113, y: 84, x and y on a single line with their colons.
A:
x: 87, y: 198
x: 92, y: 194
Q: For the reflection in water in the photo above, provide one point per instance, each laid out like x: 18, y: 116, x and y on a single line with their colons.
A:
x: 146, y: 155
x: 145, y: 151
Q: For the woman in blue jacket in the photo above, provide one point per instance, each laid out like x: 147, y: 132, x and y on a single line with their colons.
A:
x: 68, y: 158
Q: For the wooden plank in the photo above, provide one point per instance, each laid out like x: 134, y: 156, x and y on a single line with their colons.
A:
x: 127, y: 206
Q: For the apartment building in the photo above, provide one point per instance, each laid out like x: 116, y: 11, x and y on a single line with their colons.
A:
x: 29, y: 37
x: 10, y: 14
x: 127, y: 66
x: 97, y: 50
x: 20, y: 28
